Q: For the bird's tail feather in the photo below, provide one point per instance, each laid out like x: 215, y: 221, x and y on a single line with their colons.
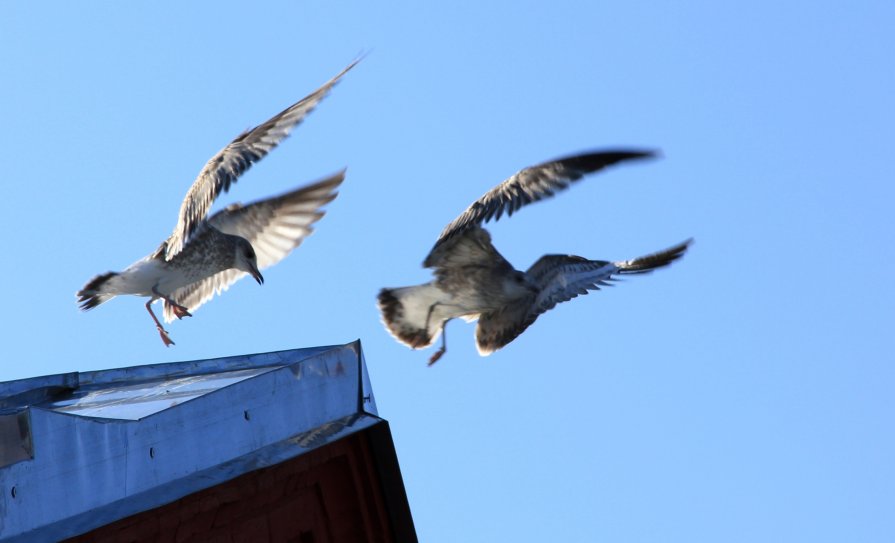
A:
x: 650, y: 262
x: 407, y: 313
x: 92, y: 294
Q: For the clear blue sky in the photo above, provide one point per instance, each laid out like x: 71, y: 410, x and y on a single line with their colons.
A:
x: 744, y: 394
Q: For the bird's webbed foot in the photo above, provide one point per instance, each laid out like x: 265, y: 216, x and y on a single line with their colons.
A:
x: 179, y: 311
x: 166, y: 339
x: 440, y: 352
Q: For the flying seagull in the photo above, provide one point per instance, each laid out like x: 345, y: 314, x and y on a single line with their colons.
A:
x: 473, y: 280
x: 205, y: 255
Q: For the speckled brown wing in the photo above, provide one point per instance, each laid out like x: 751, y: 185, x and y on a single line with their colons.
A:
x: 233, y: 160
x: 531, y: 185
x: 274, y: 226
x: 559, y: 279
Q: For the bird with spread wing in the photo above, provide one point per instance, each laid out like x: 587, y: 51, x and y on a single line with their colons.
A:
x: 474, y: 281
x: 205, y: 255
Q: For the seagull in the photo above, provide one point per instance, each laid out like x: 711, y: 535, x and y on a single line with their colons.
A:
x: 205, y: 255
x: 474, y: 281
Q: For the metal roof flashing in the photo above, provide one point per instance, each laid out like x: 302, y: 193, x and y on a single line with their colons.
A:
x: 80, y: 450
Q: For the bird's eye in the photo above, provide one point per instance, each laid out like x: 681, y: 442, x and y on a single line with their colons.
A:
x: 250, y: 253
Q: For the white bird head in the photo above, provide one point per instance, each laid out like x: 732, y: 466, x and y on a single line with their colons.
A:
x: 245, y: 259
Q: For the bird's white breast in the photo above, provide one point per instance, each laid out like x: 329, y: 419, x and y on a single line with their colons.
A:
x: 141, y: 277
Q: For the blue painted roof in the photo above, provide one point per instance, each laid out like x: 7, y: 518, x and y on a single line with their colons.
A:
x: 80, y: 450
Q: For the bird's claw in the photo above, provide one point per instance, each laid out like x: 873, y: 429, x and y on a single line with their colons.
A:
x: 180, y: 311
x: 165, y: 338
x: 440, y: 352
x: 435, y: 357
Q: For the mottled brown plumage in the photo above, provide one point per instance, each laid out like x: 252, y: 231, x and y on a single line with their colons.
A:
x: 474, y: 281
x: 205, y: 255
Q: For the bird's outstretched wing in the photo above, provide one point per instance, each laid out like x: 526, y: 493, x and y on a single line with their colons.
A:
x: 561, y: 278
x: 233, y: 160
x: 532, y: 184
x: 472, y: 248
x: 274, y: 226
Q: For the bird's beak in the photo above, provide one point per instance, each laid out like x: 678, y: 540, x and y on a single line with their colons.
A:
x: 257, y: 275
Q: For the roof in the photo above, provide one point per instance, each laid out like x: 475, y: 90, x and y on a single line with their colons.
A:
x: 80, y: 450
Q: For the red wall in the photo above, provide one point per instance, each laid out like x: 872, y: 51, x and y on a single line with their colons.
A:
x: 329, y: 495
